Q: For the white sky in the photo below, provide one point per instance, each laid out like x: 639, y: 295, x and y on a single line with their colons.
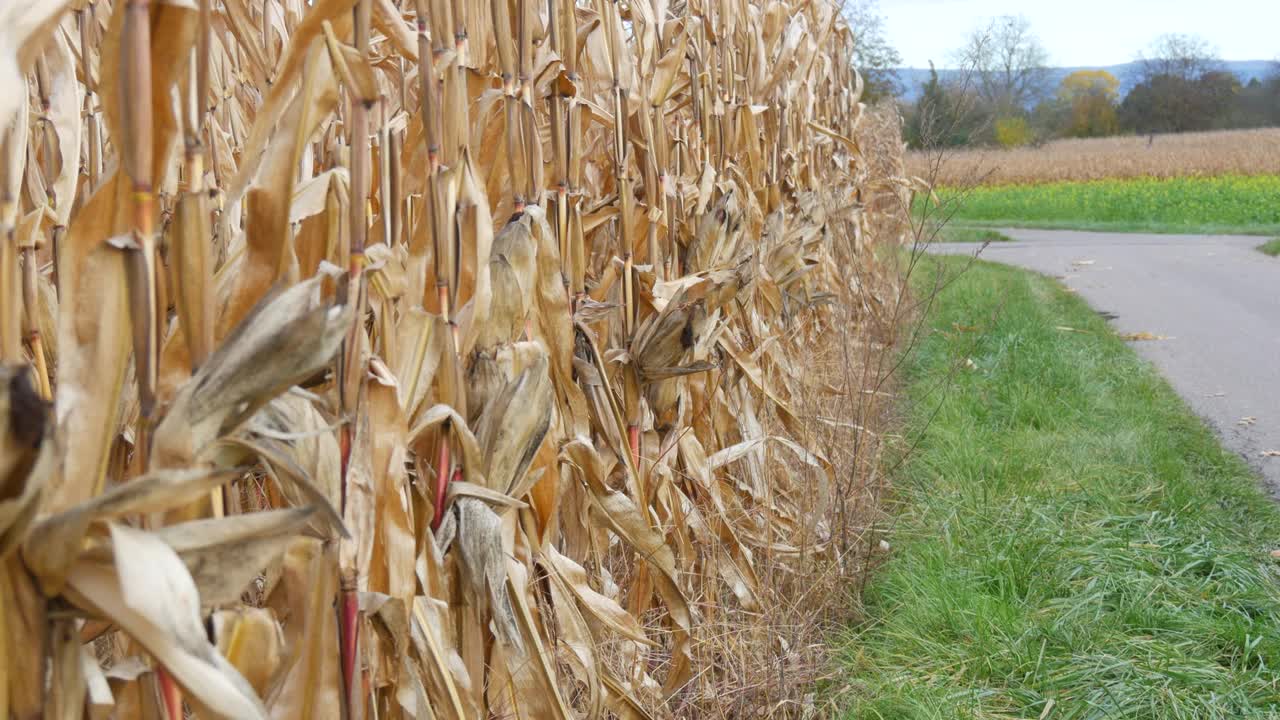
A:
x: 1086, y: 32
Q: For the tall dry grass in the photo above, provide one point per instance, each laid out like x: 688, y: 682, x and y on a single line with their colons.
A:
x: 435, y: 359
x: 1226, y: 152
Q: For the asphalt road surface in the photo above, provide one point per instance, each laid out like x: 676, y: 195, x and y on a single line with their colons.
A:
x: 1214, y: 300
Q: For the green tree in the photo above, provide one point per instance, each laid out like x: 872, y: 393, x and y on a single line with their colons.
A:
x: 1170, y: 103
x: 943, y: 116
x: 1181, y: 88
x: 1050, y: 118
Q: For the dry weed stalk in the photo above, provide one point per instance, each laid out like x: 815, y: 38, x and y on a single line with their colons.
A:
x: 375, y: 359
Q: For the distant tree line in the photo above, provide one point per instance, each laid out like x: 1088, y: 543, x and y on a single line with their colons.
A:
x: 1004, y: 95
x: 1184, y: 88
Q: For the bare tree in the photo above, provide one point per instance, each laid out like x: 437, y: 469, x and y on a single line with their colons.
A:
x: 1009, y: 64
x: 1186, y: 57
x: 873, y: 56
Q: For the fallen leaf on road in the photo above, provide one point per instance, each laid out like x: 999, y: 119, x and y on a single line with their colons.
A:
x: 1269, y: 453
x: 1143, y: 336
x: 1081, y: 263
x: 1217, y: 394
x: 1247, y: 421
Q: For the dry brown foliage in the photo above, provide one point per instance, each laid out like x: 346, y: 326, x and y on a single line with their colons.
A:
x: 1226, y: 152
x: 435, y: 359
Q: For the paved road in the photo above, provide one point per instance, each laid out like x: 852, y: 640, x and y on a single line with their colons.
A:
x: 1215, y: 297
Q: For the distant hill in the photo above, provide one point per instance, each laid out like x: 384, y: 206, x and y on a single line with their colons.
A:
x: 912, y: 79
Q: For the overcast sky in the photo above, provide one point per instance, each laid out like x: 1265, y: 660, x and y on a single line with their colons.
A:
x: 1086, y: 32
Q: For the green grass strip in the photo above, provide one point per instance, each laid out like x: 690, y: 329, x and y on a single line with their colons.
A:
x: 960, y: 234
x: 1071, y: 541
x: 1227, y: 204
x: 1271, y: 247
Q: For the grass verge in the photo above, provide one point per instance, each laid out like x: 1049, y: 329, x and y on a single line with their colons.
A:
x: 1072, y: 542
x: 963, y: 234
x: 1159, y: 228
x: 1210, y: 205
x: 1271, y: 247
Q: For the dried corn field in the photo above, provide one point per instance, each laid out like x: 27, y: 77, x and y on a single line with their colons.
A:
x: 1225, y: 152
x: 434, y: 358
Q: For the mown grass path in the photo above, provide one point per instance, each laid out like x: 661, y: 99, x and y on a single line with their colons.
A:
x: 1071, y: 541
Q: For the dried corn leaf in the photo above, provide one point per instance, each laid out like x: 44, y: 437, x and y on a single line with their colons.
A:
x: 285, y: 338
x: 585, y: 246
x: 150, y: 595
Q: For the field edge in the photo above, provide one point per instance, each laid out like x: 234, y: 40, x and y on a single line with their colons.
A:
x: 1060, y: 465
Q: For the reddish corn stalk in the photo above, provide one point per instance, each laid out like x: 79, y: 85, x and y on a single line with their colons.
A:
x: 351, y: 366
x: 352, y: 369
x: 633, y: 440
x: 170, y: 694
x: 443, y: 474
x: 429, y: 50
x: 349, y: 638
x: 443, y: 469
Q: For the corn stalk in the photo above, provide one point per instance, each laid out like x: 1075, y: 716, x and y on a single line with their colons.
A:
x: 504, y: 425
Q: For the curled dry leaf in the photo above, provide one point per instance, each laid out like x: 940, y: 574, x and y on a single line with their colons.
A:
x: 479, y: 540
x: 148, y: 592
x: 57, y: 541
x: 285, y: 339
x: 224, y: 555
